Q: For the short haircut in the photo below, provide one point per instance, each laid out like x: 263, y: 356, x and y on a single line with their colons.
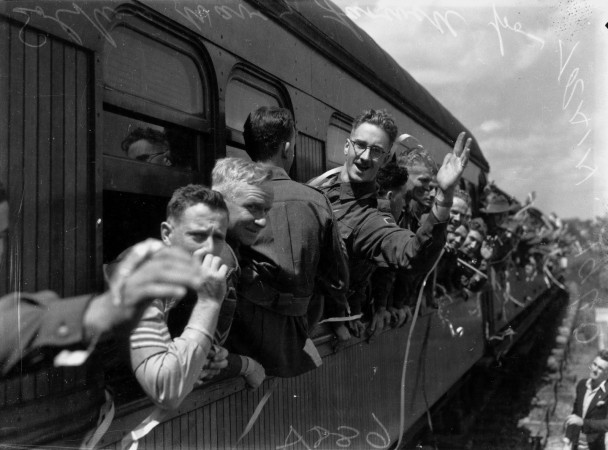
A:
x: 603, y: 354
x: 193, y: 194
x: 463, y: 195
x: 390, y: 177
x: 3, y: 194
x: 148, y: 134
x: 382, y: 119
x: 229, y: 172
x: 265, y: 130
x: 418, y: 157
x: 477, y: 224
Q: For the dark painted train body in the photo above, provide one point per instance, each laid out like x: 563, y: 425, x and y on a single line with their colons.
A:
x: 79, y: 75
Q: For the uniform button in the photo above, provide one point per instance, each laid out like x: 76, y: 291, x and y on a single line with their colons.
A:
x: 63, y: 331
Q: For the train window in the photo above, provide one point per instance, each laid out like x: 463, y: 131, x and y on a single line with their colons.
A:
x: 339, y: 129
x: 144, y: 141
x: 150, y: 70
x: 241, y: 99
x: 246, y: 91
x: 156, y: 136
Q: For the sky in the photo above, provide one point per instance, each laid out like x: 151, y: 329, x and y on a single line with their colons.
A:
x: 529, y: 78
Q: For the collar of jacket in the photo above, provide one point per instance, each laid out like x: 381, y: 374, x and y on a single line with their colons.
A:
x: 384, y: 206
x: 278, y: 173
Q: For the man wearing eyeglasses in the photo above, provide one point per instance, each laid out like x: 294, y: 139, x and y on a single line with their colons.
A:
x: 369, y: 239
x: 587, y: 425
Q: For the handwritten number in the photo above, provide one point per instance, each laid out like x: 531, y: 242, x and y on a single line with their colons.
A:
x: 385, y: 440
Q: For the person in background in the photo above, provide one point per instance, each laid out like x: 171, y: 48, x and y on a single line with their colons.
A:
x: 36, y: 327
x: 421, y: 187
x: 297, y: 256
x: 460, y: 211
x: 586, y: 427
x: 147, y: 145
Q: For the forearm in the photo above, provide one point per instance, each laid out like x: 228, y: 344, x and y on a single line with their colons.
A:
x: 168, y: 377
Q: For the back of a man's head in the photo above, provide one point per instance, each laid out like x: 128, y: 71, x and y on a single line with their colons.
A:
x: 391, y: 177
x: 382, y: 119
x: 229, y: 173
x: 265, y: 130
x: 193, y: 194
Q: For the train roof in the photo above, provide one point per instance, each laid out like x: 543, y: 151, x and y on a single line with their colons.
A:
x: 324, y: 26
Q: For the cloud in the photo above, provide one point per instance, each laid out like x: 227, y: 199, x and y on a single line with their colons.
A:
x: 490, y: 126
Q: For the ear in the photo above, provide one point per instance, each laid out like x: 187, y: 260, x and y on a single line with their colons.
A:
x: 346, y: 145
x: 165, y: 232
x: 286, y: 149
x: 390, y: 195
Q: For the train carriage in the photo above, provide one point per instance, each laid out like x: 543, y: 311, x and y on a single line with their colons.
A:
x: 80, y: 76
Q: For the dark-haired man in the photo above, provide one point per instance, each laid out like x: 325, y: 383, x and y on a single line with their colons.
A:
x: 392, y: 188
x: 369, y: 239
x: 147, y: 145
x: 586, y: 427
x: 298, y: 255
x: 167, y: 363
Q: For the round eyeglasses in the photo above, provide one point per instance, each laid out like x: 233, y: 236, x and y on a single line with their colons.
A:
x: 375, y: 151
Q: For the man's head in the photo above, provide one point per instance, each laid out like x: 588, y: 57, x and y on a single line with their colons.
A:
x: 392, y: 181
x: 421, y: 169
x: 197, y: 220
x: 368, y: 146
x: 3, y: 221
x: 459, y: 213
x: 455, y: 238
x: 249, y: 196
x: 270, y: 135
x: 598, y: 369
x: 475, y: 237
x: 147, y: 145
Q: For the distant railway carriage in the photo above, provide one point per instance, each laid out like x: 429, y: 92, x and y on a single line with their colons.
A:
x: 79, y: 77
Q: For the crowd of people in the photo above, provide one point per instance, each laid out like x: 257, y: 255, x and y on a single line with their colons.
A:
x: 247, y: 268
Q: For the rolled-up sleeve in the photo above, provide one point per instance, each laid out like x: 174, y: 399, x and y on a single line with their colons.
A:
x: 166, y: 368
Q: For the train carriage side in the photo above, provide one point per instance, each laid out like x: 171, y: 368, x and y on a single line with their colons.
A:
x: 103, y: 69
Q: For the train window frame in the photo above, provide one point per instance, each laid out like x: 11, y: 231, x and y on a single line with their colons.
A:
x: 131, y: 106
x: 260, y: 82
x: 342, y: 122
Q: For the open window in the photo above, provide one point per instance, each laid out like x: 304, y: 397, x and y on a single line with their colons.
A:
x: 247, y: 90
x: 157, y: 110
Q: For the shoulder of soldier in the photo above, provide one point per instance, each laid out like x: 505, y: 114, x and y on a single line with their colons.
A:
x: 326, y: 178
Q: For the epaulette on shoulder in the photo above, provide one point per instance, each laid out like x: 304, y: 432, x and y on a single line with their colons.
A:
x: 324, y: 178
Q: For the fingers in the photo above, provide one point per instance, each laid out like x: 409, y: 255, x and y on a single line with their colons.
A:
x: 214, y: 264
x: 464, y: 157
x: 220, y: 354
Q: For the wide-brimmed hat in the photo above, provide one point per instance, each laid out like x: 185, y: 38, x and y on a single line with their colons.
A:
x: 496, y: 204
